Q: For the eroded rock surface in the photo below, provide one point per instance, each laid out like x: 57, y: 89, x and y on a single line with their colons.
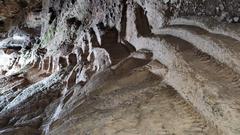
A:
x: 127, y: 67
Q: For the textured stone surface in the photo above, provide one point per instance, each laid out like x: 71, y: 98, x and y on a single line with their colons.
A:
x: 106, y: 67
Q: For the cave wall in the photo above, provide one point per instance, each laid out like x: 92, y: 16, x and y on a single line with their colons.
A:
x: 119, y: 67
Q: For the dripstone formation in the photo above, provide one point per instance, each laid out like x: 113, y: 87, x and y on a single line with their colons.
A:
x: 119, y: 67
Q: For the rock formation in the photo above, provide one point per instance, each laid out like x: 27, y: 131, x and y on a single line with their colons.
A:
x: 119, y: 67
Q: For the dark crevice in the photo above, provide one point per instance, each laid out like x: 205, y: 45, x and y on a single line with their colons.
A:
x: 18, y: 48
x: 53, y: 15
x: 117, y: 51
x: 124, y: 19
x: 142, y: 24
x: 129, y: 46
x: 94, y: 40
x: 73, y: 1
x: 101, y: 26
x: 74, y: 21
x: 22, y: 3
x: 62, y: 62
x: 72, y: 59
x: 2, y: 23
x: 35, y: 32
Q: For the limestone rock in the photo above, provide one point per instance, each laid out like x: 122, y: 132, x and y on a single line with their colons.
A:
x: 129, y: 67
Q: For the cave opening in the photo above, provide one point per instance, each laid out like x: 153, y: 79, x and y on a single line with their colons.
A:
x: 116, y: 49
